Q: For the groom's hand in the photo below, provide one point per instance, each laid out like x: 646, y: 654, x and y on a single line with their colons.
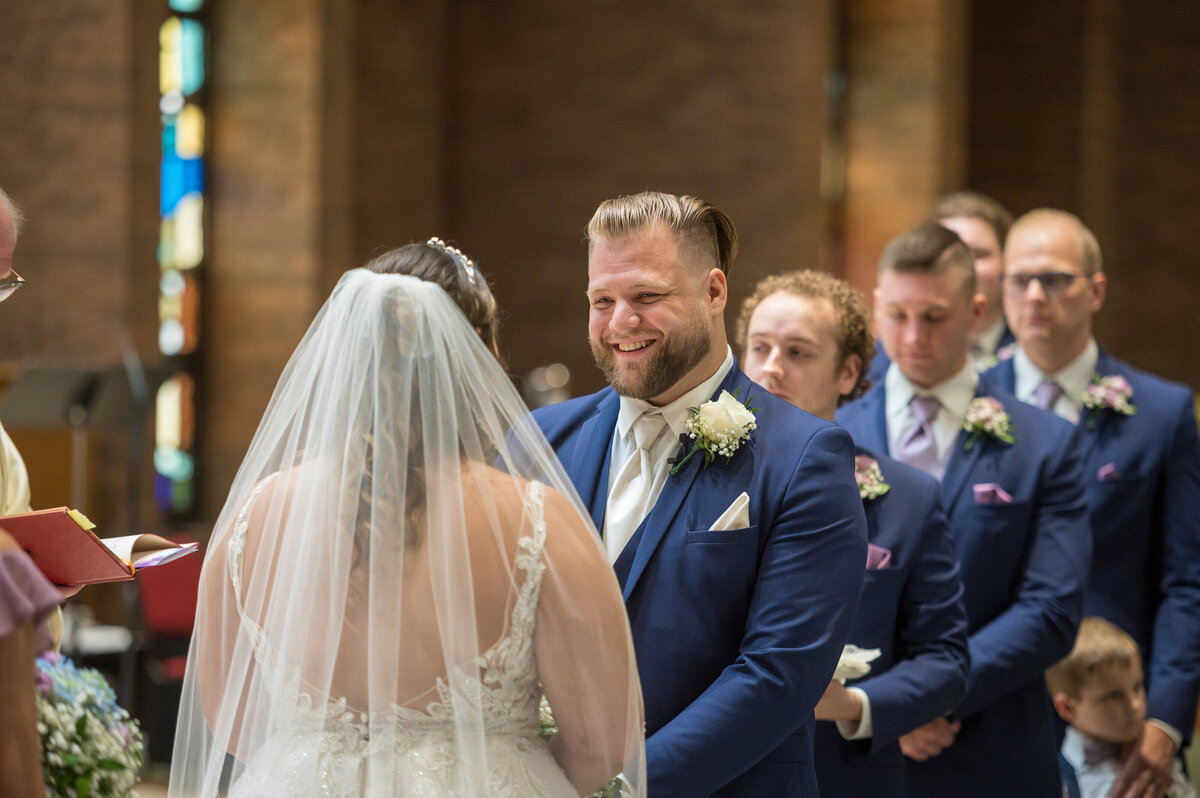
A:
x: 926, y: 742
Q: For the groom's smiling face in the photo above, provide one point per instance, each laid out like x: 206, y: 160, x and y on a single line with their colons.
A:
x: 652, y: 315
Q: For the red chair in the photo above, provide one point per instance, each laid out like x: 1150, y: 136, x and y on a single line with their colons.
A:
x: 167, y: 598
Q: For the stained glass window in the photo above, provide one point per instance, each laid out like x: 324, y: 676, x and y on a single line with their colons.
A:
x: 182, y: 75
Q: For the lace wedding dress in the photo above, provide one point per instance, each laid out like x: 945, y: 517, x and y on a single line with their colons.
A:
x: 420, y: 743
x: 400, y: 571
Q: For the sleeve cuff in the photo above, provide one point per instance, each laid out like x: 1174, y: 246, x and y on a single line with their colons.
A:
x: 864, y: 728
x: 1161, y: 725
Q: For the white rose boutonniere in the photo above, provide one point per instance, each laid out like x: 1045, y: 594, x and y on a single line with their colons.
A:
x: 1108, y: 393
x: 869, y: 478
x: 718, y: 427
x: 985, y: 416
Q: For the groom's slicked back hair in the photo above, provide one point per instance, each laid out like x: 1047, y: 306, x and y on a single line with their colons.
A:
x: 696, y: 224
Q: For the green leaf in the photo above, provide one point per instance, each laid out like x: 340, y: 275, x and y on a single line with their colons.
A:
x: 83, y: 786
x: 109, y: 764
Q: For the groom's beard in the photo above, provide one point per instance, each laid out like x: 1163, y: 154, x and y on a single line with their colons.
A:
x: 674, y: 357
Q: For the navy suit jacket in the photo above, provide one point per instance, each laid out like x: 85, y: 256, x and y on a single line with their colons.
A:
x: 736, y: 632
x: 1024, y: 569
x: 1146, y: 528
x: 912, y: 611
x: 877, y: 370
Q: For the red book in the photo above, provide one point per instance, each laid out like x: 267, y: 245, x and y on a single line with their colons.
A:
x: 62, y: 545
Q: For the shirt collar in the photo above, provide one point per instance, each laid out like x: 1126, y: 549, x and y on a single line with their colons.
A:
x: 1073, y: 378
x: 676, y: 412
x: 954, y: 394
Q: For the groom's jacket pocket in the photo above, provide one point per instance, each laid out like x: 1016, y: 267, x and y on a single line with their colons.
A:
x: 723, y: 536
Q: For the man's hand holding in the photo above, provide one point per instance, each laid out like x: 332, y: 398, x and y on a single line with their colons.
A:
x: 1146, y: 765
x: 838, y: 703
x: 926, y: 742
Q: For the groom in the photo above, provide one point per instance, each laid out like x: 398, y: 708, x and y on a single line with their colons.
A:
x: 741, y: 578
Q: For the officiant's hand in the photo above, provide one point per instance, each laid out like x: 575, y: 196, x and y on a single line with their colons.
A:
x: 926, y: 742
x: 1146, y: 768
x: 838, y: 703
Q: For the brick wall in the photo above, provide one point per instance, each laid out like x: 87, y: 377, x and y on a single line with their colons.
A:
x: 1091, y: 107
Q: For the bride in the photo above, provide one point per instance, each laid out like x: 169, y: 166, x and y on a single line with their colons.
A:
x: 402, y: 570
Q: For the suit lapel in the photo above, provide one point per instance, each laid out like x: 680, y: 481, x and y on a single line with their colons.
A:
x: 873, y: 433
x: 589, y: 472
x: 1091, y: 433
x: 961, y: 464
x: 1003, y: 377
x: 654, y: 527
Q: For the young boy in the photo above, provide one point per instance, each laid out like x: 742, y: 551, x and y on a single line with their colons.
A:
x: 1098, y: 690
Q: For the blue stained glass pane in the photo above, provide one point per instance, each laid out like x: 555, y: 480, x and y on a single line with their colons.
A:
x: 168, y: 137
x: 180, y: 177
x: 192, y: 55
x: 186, y: 6
x: 162, y: 492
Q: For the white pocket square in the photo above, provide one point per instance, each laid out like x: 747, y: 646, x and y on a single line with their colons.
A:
x: 736, y: 515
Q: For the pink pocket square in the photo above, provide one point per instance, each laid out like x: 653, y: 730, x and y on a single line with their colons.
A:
x: 878, y: 557
x: 1108, y: 473
x: 990, y: 493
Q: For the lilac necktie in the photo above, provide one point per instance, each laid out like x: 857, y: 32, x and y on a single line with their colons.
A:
x: 918, y: 448
x: 1046, y: 394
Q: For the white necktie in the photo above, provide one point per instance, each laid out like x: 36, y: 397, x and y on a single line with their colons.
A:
x: 630, y: 493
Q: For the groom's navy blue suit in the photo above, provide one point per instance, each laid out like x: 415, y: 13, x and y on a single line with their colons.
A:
x: 1142, y: 474
x: 737, y: 632
x: 1024, y: 567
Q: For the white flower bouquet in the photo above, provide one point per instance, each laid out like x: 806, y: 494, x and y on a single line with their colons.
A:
x: 90, y: 745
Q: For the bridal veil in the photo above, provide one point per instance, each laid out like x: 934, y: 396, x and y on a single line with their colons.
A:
x: 380, y: 581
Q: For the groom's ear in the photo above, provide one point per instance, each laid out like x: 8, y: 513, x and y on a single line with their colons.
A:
x: 717, y: 290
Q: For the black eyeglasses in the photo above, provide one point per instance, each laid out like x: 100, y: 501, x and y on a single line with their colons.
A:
x: 10, y: 284
x: 1054, y: 284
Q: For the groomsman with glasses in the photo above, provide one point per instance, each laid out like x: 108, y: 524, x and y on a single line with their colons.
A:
x: 1011, y: 485
x: 1141, y: 455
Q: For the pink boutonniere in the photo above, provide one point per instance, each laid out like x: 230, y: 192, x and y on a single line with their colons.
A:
x: 869, y: 478
x: 986, y: 417
x: 1108, y: 393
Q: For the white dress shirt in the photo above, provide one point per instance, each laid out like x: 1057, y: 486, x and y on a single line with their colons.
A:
x: 1095, y: 780
x: 954, y: 394
x: 983, y: 348
x: 1073, y: 378
x: 675, y: 414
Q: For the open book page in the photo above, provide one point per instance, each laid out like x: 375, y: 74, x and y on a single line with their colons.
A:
x: 143, y: 551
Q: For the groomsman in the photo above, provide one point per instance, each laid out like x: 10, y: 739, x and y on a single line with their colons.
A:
x: 1141, y: 456
x: 806, y: 340
x: 741, y: 576
x: 1012, y: 488
x: 982, y: 223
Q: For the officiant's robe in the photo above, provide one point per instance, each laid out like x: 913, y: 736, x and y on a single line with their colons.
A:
x: 912, y: 611
x: 1024, y: 567
x: 737, y: 632
x: 1142, y: 475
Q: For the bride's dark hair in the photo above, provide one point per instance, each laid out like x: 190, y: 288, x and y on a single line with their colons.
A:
x: 458, y: 277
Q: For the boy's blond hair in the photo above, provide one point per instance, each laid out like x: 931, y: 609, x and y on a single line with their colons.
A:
x: 1098, y: 645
